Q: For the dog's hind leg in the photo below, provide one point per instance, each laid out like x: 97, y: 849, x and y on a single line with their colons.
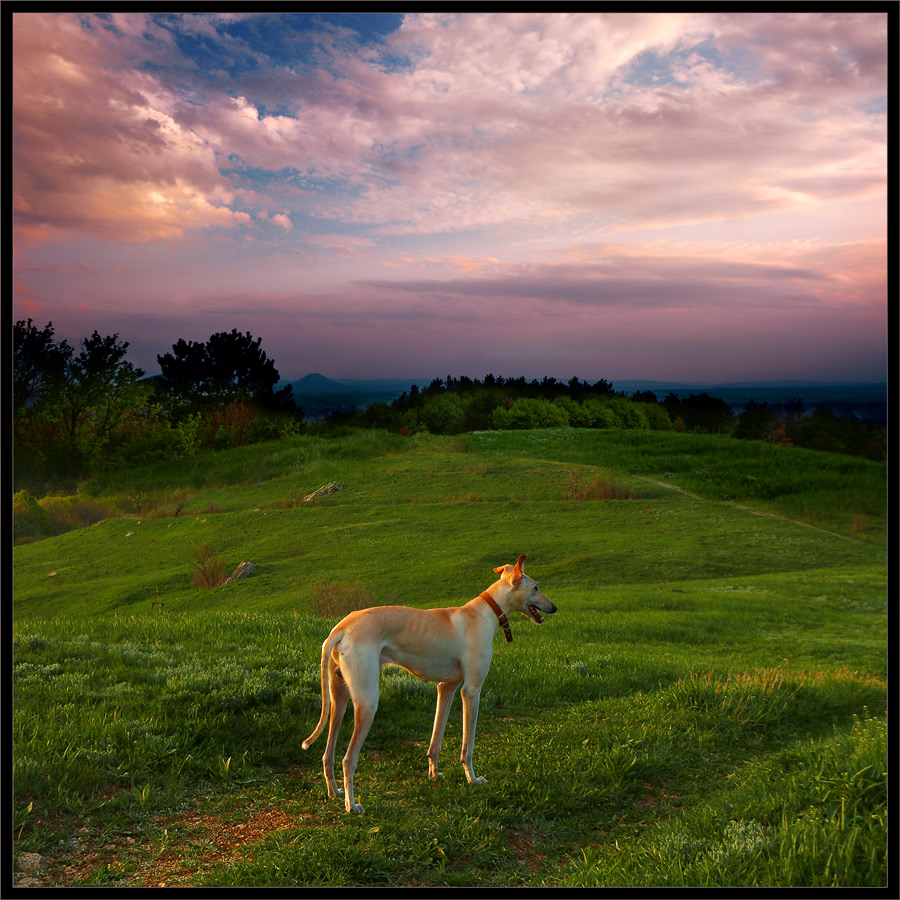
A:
x: 445, y: 693
x: 340, y: 694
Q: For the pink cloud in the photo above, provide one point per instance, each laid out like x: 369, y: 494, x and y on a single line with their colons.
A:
x: 605, y: 181
x: 659, y: 310
x: 96, y: 151
x: 504, y: 121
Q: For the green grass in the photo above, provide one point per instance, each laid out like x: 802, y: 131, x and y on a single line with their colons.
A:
x: 707, y: 707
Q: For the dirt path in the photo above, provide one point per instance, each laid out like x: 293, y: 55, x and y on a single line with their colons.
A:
x: 757, y: 512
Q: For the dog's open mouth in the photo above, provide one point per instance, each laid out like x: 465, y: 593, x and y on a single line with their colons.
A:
x: 535, y: 615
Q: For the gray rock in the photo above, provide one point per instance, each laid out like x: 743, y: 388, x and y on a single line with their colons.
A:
x: 244, y: 570
x: 326, y: 490
x: 31, y: 863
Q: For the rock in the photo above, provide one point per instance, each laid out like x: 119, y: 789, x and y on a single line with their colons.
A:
x: 31, y: 863
x: 242, y: 571
x: 327, y: 489
x: 131, y: 534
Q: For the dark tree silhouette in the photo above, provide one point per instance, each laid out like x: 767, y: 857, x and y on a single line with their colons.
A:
x: 40, y: 363
x: 699, y: 412
x: 755, y: 423
x: 229, y: 366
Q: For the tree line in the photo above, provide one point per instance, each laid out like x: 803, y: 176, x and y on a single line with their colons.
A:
x: 463, y: 404
x: 79, y: 411
x: 82, y: 410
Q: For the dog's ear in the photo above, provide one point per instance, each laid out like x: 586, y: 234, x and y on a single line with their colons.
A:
x: 515, y: 572
x: 517, y: 569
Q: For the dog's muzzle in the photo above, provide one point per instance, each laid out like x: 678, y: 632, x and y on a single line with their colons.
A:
x: 535, y: 613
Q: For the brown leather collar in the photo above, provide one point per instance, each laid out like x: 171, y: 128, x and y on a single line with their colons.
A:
x: 504, y: 622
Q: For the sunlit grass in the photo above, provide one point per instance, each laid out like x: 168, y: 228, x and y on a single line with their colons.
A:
x: 707, y: 707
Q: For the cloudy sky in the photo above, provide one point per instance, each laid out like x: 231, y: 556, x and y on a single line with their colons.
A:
x: 672, y: 196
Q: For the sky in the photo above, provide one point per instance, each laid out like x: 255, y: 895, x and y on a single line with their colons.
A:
x: 672, y: 196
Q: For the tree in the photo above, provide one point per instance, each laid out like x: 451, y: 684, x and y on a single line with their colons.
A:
x: 530, y: 412
x: 702, y: 413
x: 70, y: 409
x: 825, y: 430
x: 99, y: 392
x: 40, y: 363
x: 229, y: 366
x: 755, y: 423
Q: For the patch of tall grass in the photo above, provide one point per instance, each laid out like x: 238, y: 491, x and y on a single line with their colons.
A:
x: 845, y: 493
x: 811, y: 814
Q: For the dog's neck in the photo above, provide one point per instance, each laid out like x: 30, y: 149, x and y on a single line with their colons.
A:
x: 498, y: 610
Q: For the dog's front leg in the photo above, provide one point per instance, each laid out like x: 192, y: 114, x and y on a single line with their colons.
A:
x: 470, y: 698
x: 445, y: 692
x: 364, y: 713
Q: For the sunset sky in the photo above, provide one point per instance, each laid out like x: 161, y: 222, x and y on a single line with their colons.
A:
x: 670, y: 196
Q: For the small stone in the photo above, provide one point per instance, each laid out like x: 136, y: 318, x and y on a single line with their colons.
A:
x: 130, y: 534
x: 31, y: 862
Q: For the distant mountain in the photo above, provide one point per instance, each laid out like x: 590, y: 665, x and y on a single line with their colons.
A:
x: 319, y: 396
x: 315, y: 383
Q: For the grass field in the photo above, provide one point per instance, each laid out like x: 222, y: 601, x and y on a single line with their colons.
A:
x: 707, y: 707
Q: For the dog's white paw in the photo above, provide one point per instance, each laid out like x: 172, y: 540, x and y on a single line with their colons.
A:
x: 355, y: 808
x: 478, y: 779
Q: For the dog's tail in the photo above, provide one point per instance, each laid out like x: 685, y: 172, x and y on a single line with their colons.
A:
x: 330, y: 642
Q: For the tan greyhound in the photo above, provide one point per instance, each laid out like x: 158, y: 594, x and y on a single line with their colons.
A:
x: 451, y: 646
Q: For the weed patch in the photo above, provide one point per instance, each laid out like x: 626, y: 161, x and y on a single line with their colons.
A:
x: 334, y: 600
x: 209, y: 567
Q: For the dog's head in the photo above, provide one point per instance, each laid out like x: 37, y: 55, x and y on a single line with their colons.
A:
x: 525, y: 596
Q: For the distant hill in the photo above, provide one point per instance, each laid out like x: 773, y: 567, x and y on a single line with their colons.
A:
x: 865, y: 400
x: 319, y: 396
x: 317, y: 384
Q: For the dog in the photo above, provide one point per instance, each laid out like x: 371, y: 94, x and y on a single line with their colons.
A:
x: 452, y: 646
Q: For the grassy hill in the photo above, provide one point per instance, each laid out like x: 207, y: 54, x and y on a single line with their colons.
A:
x: 708, y: 706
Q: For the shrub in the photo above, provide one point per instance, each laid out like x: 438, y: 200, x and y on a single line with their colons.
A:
x: 529, y: 412
x: 657, y: 417
x: 29, y: 518
x: 581, y: 488
x: 337, y: 598
x: 209, y: 569
x: 69, y: 513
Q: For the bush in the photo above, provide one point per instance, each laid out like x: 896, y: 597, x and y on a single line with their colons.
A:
x: 69, y: 513
x: 824, y: 430
x: 29, y: 518
x: 209, y: 569
x: 337, y: 598
x: 657, y: 417
x: 442, y: 414
x: 630, y: 415
x: 527, y: 413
